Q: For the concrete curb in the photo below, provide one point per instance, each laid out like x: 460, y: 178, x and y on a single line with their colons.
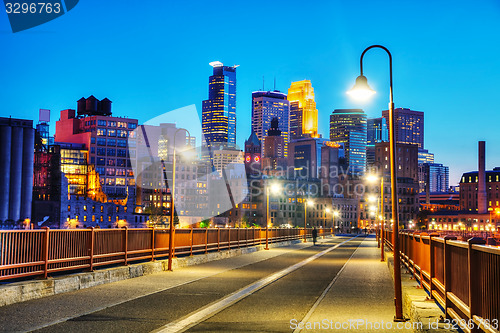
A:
x: 28, y: 290
x: 416, y: 304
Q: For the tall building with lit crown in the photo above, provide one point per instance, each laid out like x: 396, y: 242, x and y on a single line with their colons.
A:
x: 348, y: 127
x: 303, y: 112
x: 409, y: 126
x: 377, y: 131
x: 267, y: 105
x: 219, y: 110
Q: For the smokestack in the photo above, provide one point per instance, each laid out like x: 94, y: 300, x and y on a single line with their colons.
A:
x: 482, y: 206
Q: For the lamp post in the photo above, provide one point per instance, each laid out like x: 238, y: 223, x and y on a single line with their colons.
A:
x: 275, y: 189
x: 374, y: 178
x: 362, y: 90
x: 306, y: 203
x: 171, y: 247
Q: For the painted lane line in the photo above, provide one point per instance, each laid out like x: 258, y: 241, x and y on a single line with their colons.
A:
x: 323, y: 295
x: 208, y: 311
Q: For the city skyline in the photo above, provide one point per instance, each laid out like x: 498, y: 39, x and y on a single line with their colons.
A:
x: 438, y: 70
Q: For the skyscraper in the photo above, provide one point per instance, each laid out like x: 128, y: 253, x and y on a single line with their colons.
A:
x: 409, y: 126
x: 273, y: 153
x: 348, y: 126
x: 267, y: 105
x: 376, y: 132
x: 219, y: 110
x: 303, y: 112
x: 433, y: 176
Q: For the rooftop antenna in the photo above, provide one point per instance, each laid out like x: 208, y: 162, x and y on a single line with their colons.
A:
x: 275, y: 83
x: 263, y: 89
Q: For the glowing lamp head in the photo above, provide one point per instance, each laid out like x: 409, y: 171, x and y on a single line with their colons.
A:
x: 371, y: 178
x: 361, y: 91
x: 336, y: 213
x: 328, y: 210
x: 275, y: 188
x: 372, y: 198
x: 310, y: 203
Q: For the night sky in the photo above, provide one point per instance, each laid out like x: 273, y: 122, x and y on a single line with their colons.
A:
x: 150, y: 57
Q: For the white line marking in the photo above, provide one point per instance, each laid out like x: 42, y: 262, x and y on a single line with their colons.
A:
x: 327, y: 289
x: 206, y: 312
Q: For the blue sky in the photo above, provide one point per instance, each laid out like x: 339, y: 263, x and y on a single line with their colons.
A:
x: 150, y: 57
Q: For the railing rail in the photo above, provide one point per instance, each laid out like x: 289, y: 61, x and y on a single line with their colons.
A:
x: 31, y: 253
x: 463, y: 277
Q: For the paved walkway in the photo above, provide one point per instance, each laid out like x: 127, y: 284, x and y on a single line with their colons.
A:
x: 358, y: 296
x: 362, y: 297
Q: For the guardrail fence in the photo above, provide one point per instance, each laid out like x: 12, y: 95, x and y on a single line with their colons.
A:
x: 463, y: 277
x: 25, y: 253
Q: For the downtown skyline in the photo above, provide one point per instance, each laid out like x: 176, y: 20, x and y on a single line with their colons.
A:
x: 441, y: 71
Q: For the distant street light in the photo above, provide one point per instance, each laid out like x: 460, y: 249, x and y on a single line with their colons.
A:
x: 171, y: 247
x: 309, y: 203
x: 362, y: 91
x: 275, y: 189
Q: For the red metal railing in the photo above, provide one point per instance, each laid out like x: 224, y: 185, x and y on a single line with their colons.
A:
x: 25, y: 253
x: 463, y: 277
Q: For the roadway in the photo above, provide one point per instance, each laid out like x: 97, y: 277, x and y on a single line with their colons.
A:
x: 338, y: 280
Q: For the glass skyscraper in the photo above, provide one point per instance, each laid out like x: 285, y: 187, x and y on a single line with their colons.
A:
x: 377, y: 131
x: 409, y: 125
x: 267, y: 105
x: 219, y: 110
x: 348, y: 127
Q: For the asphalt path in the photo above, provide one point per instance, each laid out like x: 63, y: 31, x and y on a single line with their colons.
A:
x: 266, y: 309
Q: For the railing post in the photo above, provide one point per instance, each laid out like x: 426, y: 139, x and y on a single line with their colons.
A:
x: 229, y: 239
x: 125, y: 244
x: 432, y: 272
x: 447, y: 272
x: 191, y: 237
x: 91, y: 248
x: 206, y: 240
x: 218, y: 239
x: 153, y: 243
x: 474, y: 267
x: 238, y: 237
x: 46, y: 251
x: 246, y: 237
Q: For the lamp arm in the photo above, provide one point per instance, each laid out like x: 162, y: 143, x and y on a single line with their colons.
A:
x: 390, y: 65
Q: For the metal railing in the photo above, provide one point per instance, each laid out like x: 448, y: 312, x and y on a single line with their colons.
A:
x: 463, y: 277
x: 31, y: 253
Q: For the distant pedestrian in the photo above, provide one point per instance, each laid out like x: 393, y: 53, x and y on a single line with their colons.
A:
x: 315, y: 235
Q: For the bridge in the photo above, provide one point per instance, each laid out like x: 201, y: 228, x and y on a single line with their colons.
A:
x: 340, y: 284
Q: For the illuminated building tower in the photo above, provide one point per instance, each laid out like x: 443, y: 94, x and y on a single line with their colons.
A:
x: 106, y: 139
x: 253, y: 151
x: 433, y: 176
x: 303, y: 112
x: 219, y: 110
x: 409, y: 126
x: 267, y: 105
x: 348, y: 127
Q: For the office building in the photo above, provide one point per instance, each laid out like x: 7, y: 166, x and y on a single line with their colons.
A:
x: 303, y: 112
x: 377, y: 131
x: 409, y: 126
x: 219, y: 110
x: 433, y: 177
x: 424, y: 156
x: 17, y: 142
x: 273, y: 156
x: 407, y: 180
x: 253, y: 155
x: 349, y: 128
x: 110, y: 142
x: 267, y: 105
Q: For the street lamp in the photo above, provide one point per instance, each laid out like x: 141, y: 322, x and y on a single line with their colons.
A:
x: 274, y: 188
x: 362, y: 91
x: 309, y: 203
x: 372, y: 178
x: 171, y: 247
